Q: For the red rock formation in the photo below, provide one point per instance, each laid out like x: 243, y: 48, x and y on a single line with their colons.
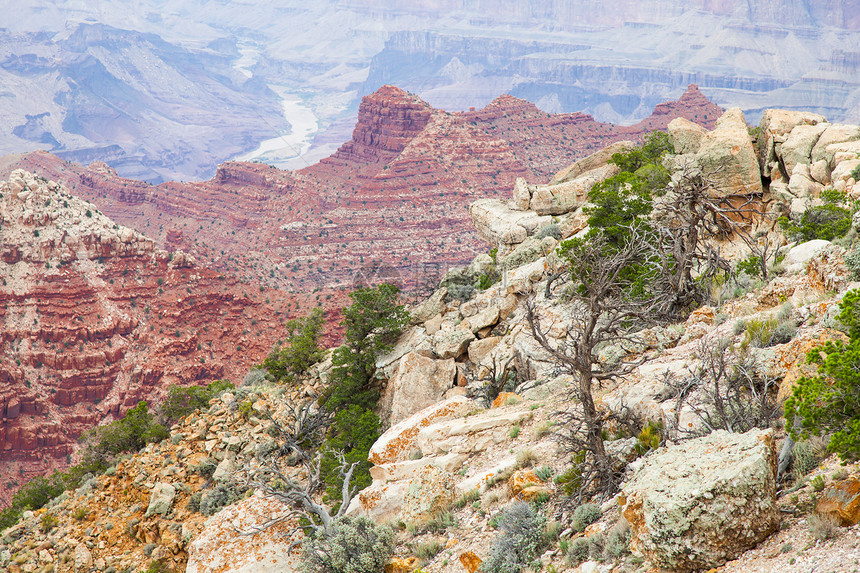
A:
x: 391, y: 203
x: 94, y: 318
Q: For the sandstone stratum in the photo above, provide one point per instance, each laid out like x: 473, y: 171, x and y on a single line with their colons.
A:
x: 473, y: 406
x: 94, y: 318
x: 391, y: 203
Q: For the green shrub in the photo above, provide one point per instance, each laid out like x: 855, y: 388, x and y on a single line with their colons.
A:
x: 763, y: 333
x: 519, y: 541
x: 289, y: 361
x: 349, y: 546
x: 551, y: 230
x: 618, y: 539
x: 427, y: 550
x: 578, y: 551
x: 372, y: 325
x: 829, y: 403
x: 649, y: 438
x: 220, y: 496
x: 826, y: 221
x: 852, y: 262
x: 183, y: 400
x: 49, y: 522
x: 585, y: 515
x: 855, y: 173
x: 544, y: 473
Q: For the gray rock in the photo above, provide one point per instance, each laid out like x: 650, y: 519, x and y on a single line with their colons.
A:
x: 685, y: 135
x: 728, y: 157
x: 698, y: 504
x: 161, y: 499
x: 797, y: 148
x: 452, y: 342
x: 430, y: 307
x: 225, y: 469
x: 418, y: 382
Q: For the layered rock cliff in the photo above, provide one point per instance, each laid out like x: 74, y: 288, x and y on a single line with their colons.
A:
x: 390, y: 203
x: 94, y: 317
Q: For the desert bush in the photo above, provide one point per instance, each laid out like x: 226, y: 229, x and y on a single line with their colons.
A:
x: 544, y: 473
x: 519, y: 540
x: 829, y: 403
x: 827, y: 221
x: 585, y: 515
x: 618, y: 539
x: 288, y: 361
x: 822, y: 527
x: 526, y: 458
x: 808, y: 454
x: 578, y: 551
x: 732, y: 392
x: 763, y: 333
x: 551, y: 230
x: 852, y: 262
x: 427, y: 550
x: 220, y: 496
x: 183, y: 400
x: 349, y: 545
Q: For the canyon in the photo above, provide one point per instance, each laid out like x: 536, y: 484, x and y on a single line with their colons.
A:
x: 172, y: 71
x: 95, y: 318
x: 391, y: 203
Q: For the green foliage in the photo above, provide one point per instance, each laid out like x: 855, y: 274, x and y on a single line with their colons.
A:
x: 349, y: 546
x: 219, y: 496
x: 49, y: 522
x: 829, y: 403
x: 585, y: 515
x: 551, y: 230
x: 102, y: 445
x: 762, y: 333
x: 355, y: 429
x: 649, y: 438
x: 128, y: 434
x: 571, y: 480
x: 852, y: 262
x: 183, y: 400
x: 578, y: 551
x: 827, y: 221
x: 427, y: 550
x: 855, y: 173
x: 750, y: 266
x: 618, y: 203
x: 289, y: 361
x: 373, y: 323
x: 817, y: 483
x: 519, y: 541
x: 544, y: 473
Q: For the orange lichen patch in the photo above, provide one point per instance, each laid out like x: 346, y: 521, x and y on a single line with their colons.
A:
x: 369, y: 499
x: 399, y: 440
x: 502, y: 399
x: 703, y: 315
x: 407, y: 565
x: 522, y: 479
x: 842, y: 501
x: 470, y: 561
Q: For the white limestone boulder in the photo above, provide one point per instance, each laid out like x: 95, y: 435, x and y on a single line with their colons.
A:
x: 695, y: 505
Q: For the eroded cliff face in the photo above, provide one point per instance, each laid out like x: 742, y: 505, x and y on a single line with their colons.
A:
x: 94, y: 317
x: 392, y: 203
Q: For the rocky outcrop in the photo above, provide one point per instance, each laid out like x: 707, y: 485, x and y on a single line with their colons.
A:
x: 701, y: 503
x: 230, y: 541
x: 418, y: 382
x: 727, y: 155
